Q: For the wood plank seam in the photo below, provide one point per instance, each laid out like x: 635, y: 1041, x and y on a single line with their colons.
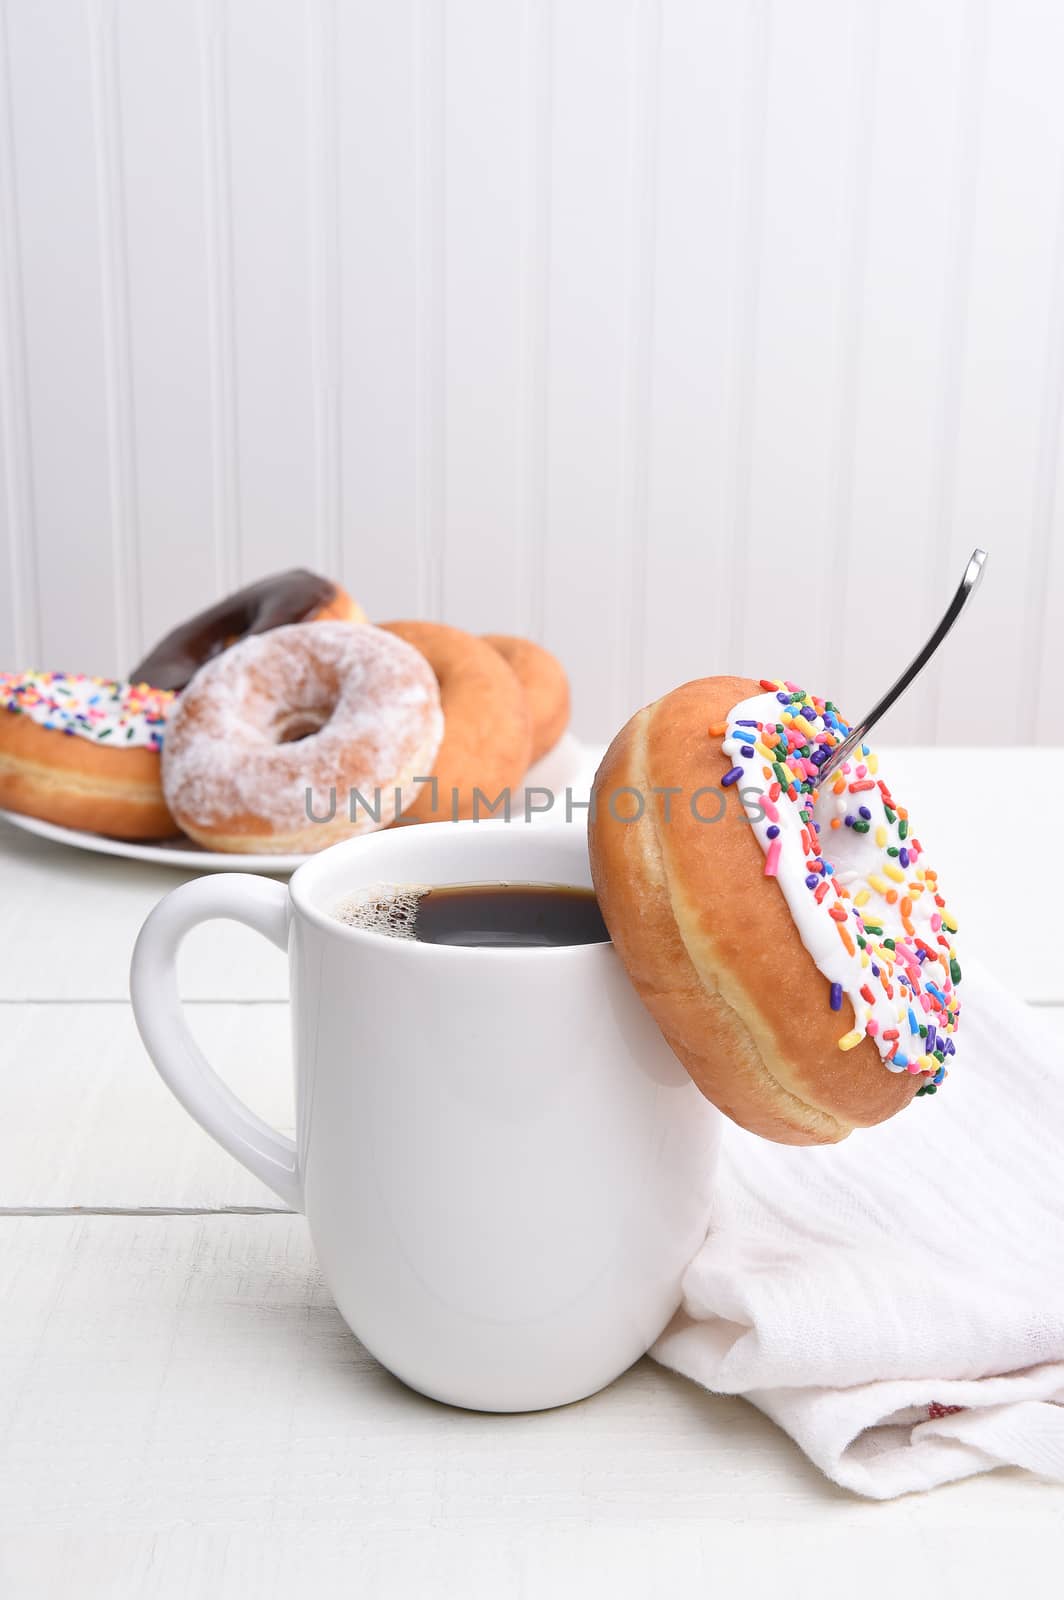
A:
x: 147, y: 1211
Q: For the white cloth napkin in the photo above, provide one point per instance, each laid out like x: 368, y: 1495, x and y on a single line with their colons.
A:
x: 896, y: 1302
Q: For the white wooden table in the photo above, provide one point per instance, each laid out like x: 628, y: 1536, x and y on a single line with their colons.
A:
x: 182, y: 1412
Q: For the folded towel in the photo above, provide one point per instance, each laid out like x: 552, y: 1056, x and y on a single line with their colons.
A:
x: 896, y: 1302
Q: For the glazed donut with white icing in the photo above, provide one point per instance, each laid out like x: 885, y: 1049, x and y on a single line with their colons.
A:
x: 797, y: 953
x: 84, y: 753
x: 294, y: 739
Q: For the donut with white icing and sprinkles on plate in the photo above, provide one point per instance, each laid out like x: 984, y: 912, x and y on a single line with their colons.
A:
x: 788, y: 936
x: 83, y: 753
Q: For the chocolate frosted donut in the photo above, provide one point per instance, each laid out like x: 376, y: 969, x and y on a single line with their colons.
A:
x: 295, y: 596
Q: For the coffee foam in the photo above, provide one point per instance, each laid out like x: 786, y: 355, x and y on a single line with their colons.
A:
x: 387, y: 908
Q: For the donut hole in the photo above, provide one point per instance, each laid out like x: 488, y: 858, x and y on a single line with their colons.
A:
x: 851, y: 855
x: 303, y: 723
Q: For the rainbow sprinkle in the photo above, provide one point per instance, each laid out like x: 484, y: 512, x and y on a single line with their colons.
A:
x: 121, y: 715
x: 867, y: 907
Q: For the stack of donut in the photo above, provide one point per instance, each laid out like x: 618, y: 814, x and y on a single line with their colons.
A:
x: 279, y: 721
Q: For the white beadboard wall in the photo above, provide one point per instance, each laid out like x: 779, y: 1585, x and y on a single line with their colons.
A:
x: 685, y: 335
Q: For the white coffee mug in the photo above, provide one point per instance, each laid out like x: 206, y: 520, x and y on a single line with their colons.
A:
x: 504, y: 1168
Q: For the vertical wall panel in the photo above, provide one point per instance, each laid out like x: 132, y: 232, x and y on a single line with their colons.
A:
x: 376, y: 66
x: 788, y: 461
x: 537, y: 116
x: 280, y: 70
x: 711, y: 91
x: 1048, y: 607
x: 485, y: 197
x: 688, y: 336
x: 326, y: 261
x: 1014, y: 307
x: 916, y: 179
x: 430, y: 301
x: 19, y: 602
x: 56, y: 176
x: 590, y: 175
x: 221, y: 287
x: 965, y: 195
x: 1043, y: 668
x: 640, y: 293
x: 116, y: 318
x: 161, y: 88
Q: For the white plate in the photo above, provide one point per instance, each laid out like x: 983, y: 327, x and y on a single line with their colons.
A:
x: 570, y: 764
x: 176, y: 852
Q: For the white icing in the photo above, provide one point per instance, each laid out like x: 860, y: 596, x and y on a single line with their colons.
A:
x: 860, y: 865
x: 122, y: 716
x: 378, y: 704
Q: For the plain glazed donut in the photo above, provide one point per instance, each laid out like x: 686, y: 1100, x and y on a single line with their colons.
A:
x: 84, y: 753
x: 300, y: 737
x: 295, y: 596
x: 545, y: 684
x: 797, y: 954
x: 487, y: 737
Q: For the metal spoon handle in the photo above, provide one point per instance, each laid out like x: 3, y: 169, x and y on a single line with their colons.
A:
x: 857, y: 735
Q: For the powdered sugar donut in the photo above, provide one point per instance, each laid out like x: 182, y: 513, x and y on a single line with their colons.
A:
x: 297, y: 738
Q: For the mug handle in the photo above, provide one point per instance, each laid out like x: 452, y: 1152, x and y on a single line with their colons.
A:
x: 259, y: 903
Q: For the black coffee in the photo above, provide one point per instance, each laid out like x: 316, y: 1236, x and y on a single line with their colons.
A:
x: 483, y: 915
